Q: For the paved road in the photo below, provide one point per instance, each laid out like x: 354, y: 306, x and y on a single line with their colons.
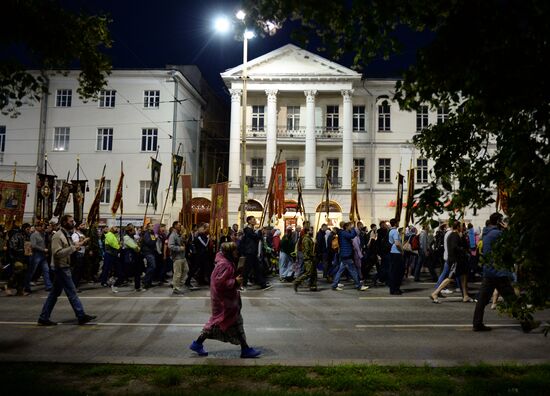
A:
x: 292, y: 329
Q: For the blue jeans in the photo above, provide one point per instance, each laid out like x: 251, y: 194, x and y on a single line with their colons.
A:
x: 444, y: 274
x: 150, y: 270
x: 63, y: 281
x: 109, y: 261
x: 39, y: 260
x: 348, y: 264
x: 285, y: 265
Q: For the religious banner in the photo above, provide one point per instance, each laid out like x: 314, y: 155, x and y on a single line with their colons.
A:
x: 12, y: 202
x: 118, y: 194
x: 186, y: 208
x: 502, y: 199
x: 300, y: 208
x: 155, y: 179
x: 399, y: 200
x: 177, y: 163
x: 44, y: 196
x: 354, y: 211
x: 410, y: 197
x: 62, y: 199
x: 93, y: 213
x: 78, y: 191
x: 218, y: 210
x: 278, y: 185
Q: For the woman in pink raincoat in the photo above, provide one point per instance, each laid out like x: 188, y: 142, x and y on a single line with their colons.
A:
x: 226, y: 322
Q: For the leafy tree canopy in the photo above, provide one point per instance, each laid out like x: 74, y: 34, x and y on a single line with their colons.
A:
x: 488, y: 61
x: 49, y: 37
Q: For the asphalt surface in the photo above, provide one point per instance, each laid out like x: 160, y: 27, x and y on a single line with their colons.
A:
x: 307, y: 328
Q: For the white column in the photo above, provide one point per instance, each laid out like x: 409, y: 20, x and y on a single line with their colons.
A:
x: 271, y: 133
x: 311, y: 149
x: 347, y: 139
x: 235, y: 138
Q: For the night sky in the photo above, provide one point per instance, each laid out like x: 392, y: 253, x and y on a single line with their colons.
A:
x: 152, y: 34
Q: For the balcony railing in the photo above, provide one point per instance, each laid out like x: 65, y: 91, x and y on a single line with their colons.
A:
x: 324, y: 133
x: 255, y: 181
x: 291, y: 184
x: 335, y: 182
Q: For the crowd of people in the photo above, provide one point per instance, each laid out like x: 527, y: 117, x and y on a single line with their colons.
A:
x: 67, y: 256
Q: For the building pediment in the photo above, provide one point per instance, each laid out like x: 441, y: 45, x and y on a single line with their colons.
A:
x: 291, y: 63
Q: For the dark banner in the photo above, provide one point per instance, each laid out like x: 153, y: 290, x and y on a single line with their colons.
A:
x: 155, y: 179
x: 410, y: 198
x: 186, y: 208
x: 354, y: 210
x: 177, y: 162
x: 118, y: 195
x: 78, y: 191
x: 399, y: 200
x: 279, y: 184
x: 12, y: 202
x: 44, y: 196
x: 93, y: 213
x: 62, y: 198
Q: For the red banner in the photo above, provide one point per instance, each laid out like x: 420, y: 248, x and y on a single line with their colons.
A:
x: 279, y: 185
x: 186, y: 210
x: 12, y: 202
x: 118, y: 195
x: 218, y: 210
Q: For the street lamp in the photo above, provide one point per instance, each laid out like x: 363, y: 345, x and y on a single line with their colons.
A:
x: 222, y: 25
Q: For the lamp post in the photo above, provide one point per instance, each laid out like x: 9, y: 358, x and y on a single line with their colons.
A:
x: 223, y: 25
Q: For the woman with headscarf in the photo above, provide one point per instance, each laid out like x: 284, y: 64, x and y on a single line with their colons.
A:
x: 226, y: 322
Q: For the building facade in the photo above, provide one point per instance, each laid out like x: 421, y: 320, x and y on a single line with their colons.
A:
x: 326, y: 121
x: 140, y: 114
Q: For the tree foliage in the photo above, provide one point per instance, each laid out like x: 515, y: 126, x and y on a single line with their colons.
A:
x: 488, y: 61
x: 49, y: 38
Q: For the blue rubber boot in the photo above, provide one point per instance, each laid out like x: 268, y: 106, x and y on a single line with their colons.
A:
x: 199, y: 348
x: 250, y: 353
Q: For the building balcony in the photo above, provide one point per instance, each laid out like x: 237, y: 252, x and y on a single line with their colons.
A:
x: 255, y: 181
x: 291, y: 183
x: 335, y: 182
x: 321, y: 133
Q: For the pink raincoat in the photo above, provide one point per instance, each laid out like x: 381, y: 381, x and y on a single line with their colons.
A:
x: 224, y: 294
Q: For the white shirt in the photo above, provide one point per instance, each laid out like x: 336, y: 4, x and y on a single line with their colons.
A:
x: 77, y: 237
x: 445, y: 250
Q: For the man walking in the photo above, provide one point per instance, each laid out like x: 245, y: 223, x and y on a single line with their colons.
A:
x: 305, y: 244
x: 176, y: 245
x: 249, y: 248
x: 345, y: 237
x: 397, y: 265
x: 62, y: 248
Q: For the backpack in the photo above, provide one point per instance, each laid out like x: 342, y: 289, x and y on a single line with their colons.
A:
x: 415, y: 243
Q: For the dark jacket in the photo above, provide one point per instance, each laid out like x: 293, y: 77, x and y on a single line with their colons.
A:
x: 249, y: 242
x: 149, y: 243
x: 346, y: 246
x: 320, y: 242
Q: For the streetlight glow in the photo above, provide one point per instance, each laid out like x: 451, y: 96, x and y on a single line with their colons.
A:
x: 222, y: 24
x: 240, y: 15
x: 248, y: 34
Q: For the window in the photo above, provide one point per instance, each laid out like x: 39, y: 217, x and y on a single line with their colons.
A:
x: 292, y: 169
x: 145, y: 192
x: 149, y: 137
x: 359, y: 164
x: 104, y: 139
x: 257, y: 118
x: 359, y: 118
x: 421, y: 118
x: 61, y: 138
x: 332, y: 163
x: 151, y: 99
x: 106, y: 196
x: 107, y: 98
x: 292, y: 118
x: 384, y: 169
x: 332, y: 118
x: 2, y: 138
x: 257, y: 165
x: 384, y: 120
x: 64, y: 97
x: 442, y: 114
x: 422, y: 170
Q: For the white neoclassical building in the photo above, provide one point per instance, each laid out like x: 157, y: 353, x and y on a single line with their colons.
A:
x: 322, y: 116
x: 138, y: 113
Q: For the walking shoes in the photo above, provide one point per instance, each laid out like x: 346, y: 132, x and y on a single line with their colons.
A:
x: 249, y: 353
x: 198, y: 348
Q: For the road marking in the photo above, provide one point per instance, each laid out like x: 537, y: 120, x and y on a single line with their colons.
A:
x: 410, y: 298
x: 161, y: 298
x: 426, y: 325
